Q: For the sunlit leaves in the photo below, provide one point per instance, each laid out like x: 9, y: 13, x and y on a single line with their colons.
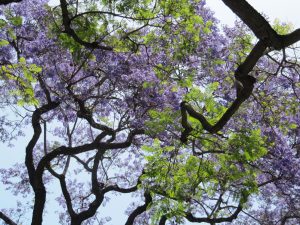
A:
x: 16, y: 21
x: 161, y: 120
x: 68, y: 42
x: 203, y: 98
x: 2, y: 23
x: 251, y: 143
x: 172, y: 174
x: 24, y: 77
x: 3, y: 43
x: 175, y: 180
x: 282, y: 28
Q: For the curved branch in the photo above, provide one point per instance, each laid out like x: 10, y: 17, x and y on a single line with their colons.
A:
x: 36, y: 181
x: 37, y: 130
x: 241, y: 74
x: 268, y: 37
x: 163, y: 220
x: 139, y: 210
x: 123, y: 190
x: 260, y: 26
x: 87, y: 115
x: 72, y: 33
x: 36, y: 175
x: 291, y: 38
x: 67, y: 196
x: 185, y: 124
x: 96, y: 190
x: 194, y: 219
x: 63, y: 150
x: 255, y: 21
x: 119, y: 189
x: 109, y: 13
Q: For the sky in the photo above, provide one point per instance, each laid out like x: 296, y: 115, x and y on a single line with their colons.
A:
x: 285, y: 11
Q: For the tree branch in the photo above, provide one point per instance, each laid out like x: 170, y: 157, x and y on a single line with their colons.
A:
x: 68, y: 30
x: 6, y: 219
x: 37, y: 181
x: 163, y: 220
x: 260, y: 26
x: 139, y: 210
x: 255, y: 21
x: 267, y: 38
x: 5, y: 2
x: 194, y: 219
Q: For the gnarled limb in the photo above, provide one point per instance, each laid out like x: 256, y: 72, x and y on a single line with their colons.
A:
x: 37, y: 181
x: 268, y: 37
x: 241, y: 74
x: 68, y: 29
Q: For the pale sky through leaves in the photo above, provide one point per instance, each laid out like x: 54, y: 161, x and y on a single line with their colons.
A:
x: 285, y: 11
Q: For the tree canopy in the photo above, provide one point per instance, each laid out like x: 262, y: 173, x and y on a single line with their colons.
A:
x: 200, y: 123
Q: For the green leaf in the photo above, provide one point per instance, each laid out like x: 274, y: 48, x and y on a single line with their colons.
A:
x: 16, y: 21
x: 22, y: 60
x: 2, y: 23
x: 3, y: 42
x: 35, y: 69
x: 282, y: 28
x: 11, y: 33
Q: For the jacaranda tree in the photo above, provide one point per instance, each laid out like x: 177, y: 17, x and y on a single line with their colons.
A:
x: 153, y: 98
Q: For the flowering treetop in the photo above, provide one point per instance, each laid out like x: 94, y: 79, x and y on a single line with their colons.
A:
x: 151, y: 98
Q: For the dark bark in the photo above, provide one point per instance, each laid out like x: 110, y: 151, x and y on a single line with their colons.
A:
x: 68, y: 30
x: 139, y: 210
x: 163, y: 220
x: 63, y: 150
x: 267, y: 38
x: 194, y: 219
x: 6, y: 219
x: 260, y: 26
x: 5, y: 2
x: 37, y: 181
x: 241, y: 74
x: 255, y: 21
x: 97, y: 189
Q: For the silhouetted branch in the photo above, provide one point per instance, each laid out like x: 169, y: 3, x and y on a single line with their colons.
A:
x: 139, y: 210
x: 68, y: 30
x: 267, y: 38
x: 163, y: 220
x: 37, y: 181
x: 6, y: 219
x: 255, y: 21
x: 260, y: 26
x: 194, y: 219
x: 5, y: 2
